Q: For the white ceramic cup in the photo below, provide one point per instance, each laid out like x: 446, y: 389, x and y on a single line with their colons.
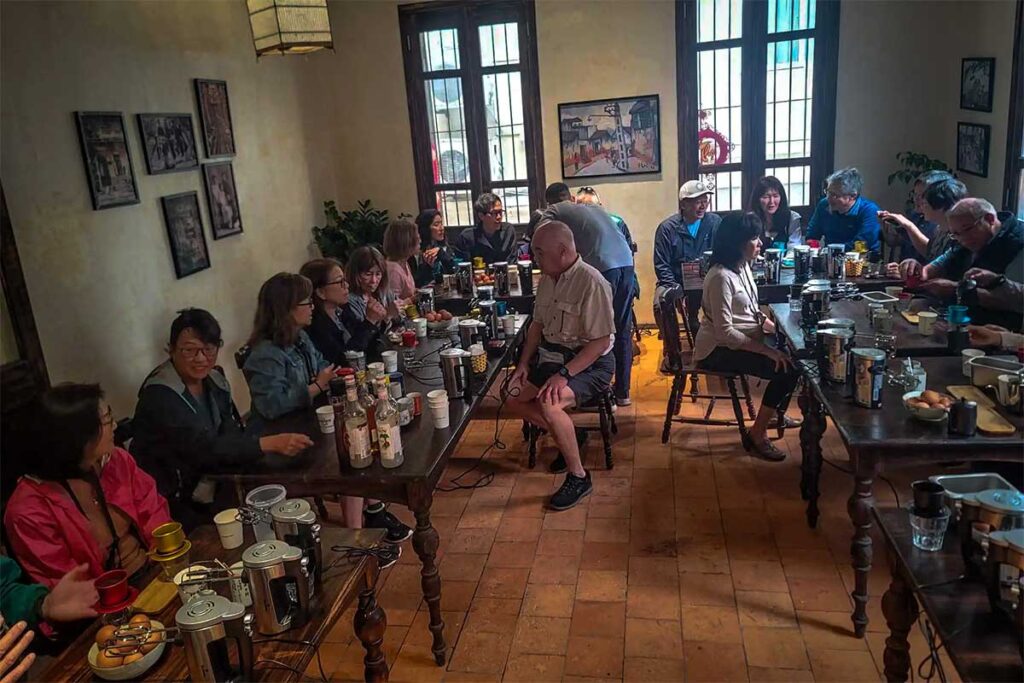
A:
x: 440, y: 415
x: 926, y: 322
x: 508, y: 324
x: 965, y: 357
x: 325, y: 418
x: 229, y: 528
x: 390, y: 359
x: 187, y: 592
x: 420, y: 326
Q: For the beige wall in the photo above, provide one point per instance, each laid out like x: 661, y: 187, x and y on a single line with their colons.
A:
x: 102, y: 285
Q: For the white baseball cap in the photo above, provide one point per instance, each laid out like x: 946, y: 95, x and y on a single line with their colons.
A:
x: 692, y: 189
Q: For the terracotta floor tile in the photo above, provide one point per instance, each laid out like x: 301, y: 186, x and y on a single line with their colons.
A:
x: 607, y: 556
x: 757, y: 575
x: 611, y: 507
x: 594, y: 657
x: 599, y: 620
x: 503, y: 582
x: 714, y: 662
x: 745, y: 521
x: 548, y: 600
x: 554, y: 569
x: 619, y: 487
x: 471, y: 677
x: 653, y: 571
x: 456, y: 596
x: 776, y: 648
x: 653, y: 602
x: 560, y: 542
x: 471, y: 541
x: 518, y: 529
x: 706, y: 555
x: 419, y: 634
x: 658, y: 638
x: 512, y: 554
x: 601, y: 586
x: 480, y: 518
x: 842, y: 665
x: 607, y: 530
x: 462, y: 566
x: 530, y: 668
x: 481, y: 652
x: 447, y: 505
x: 403, y: 579
x: 829, y: 631
x: 706, y: 589
x: 492, y: 496
x: 711, y: 623
x: 541, y: 635
x: 820, y: 595
x: 645, y: 670
x: 416, y: 665
x: 496, y: 605
x: 531, y: 506
x: 487, y: 621
x: 400, y: 608
x: 752, y: 547
x: 761, y: 675
x: 652, y: 542
x: 574, y: 519
x: 766, y: 609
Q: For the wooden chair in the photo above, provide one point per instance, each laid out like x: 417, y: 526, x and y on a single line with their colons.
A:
x: 606, y: 427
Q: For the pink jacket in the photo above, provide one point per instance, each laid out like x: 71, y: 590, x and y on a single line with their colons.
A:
x: 50, y: 537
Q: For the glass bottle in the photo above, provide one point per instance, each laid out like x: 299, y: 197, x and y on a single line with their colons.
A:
x: 357, y: 429
x: 389, y: 433
x: 370, y: 406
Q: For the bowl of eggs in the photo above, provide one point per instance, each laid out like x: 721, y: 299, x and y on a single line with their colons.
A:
x: 928, y: 405
x: 115, y: 658
x: 438, y: 320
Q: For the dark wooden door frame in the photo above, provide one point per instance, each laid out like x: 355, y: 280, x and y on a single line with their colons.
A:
x: 1015, y: 126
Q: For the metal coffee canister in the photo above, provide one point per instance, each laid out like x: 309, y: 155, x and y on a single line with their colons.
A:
x: 525, y: 277
x: 963, y: 418
x: 772, y: 266
x: 801, y: 263
x: 837, y: 323
x: 464, y: 277
x: 820, y: 293
x: 868, y: 376
x: 835, y: 344
x: 835, y: 260
x: 425, y: 300
x: 501, y: 278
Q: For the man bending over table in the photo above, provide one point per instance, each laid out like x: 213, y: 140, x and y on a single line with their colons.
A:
x: 566, y: 359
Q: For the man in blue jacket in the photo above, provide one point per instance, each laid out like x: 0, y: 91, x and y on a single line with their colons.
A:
x: 843, y: 216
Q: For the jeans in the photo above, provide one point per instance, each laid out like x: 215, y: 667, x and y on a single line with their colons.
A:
x: 781, y: 383
x: 622, y: 282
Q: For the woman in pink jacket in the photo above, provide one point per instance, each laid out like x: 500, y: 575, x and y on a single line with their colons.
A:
x: 82, y: 501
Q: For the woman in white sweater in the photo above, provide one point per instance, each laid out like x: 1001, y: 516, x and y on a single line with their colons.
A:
x: 733, y: 331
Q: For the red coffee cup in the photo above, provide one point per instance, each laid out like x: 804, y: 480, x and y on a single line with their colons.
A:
x: 409, y: 339
x: 112, y: 587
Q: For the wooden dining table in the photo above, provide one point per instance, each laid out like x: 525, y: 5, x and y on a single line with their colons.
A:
x: 458, y: 303
x: 345, y: 580
x: 322, y: 471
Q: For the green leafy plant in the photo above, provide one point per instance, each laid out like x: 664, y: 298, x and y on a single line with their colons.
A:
x: 344, y: 231
x: 913, y: 165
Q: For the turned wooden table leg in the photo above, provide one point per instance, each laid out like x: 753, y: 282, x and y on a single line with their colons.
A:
x: 425, y: 541
x: 811, y: 432
x: 370, y: 623
x: 900, y: 609
x: 859, y: 508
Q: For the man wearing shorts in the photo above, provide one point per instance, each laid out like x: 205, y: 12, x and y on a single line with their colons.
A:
x: 567, y: 356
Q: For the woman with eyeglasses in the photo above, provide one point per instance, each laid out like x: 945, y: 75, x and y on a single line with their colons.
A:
x: 82, y: 500
x: 733, y: 335
x: 769, y: 202
x: 492, y: 239
x: 186, y: 424
x: 284, y: 369
x: 436, y: 256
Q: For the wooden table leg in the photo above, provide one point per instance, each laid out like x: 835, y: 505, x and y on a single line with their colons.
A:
x: 370, y: 624
x: 811, y: 432
x: 859, y: 508
x: 425, y: 541
x: 900, y: 609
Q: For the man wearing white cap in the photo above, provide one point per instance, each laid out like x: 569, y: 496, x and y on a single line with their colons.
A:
x: 683, y: 236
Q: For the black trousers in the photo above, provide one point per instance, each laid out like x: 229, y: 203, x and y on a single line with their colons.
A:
x: 781, y: 383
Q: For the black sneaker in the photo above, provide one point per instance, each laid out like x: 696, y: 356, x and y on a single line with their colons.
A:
x: 558, y: 465
x: 387, y: 555
x: 573, y: 490
x: 396, y: 531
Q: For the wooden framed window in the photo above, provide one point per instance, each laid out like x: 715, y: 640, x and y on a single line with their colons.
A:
x: 1013, y: 180
x: 471, y: 79
x: 756, y: 85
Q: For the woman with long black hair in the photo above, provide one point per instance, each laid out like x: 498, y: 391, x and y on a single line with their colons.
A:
x: 435, y: 255
x: 768, y: 201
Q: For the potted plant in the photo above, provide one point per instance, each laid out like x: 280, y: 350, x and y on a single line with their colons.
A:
x: 913, y: 164
x: 346, y: 230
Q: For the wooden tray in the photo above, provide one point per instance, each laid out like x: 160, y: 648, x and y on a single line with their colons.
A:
x: 154, y: 597
x: 989, y: 421
x: 910, y: 317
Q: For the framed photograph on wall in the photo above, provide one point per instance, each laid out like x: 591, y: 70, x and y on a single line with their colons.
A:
x: 215, y: 117
x: 222, y: 199
x: 972, y: 142
x: 977, y: 81
x: 612, y: 137
x: 185, y: 233
x: 168, y: 142
x: 108, y: 163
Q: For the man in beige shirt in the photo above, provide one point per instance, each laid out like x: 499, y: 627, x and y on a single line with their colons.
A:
x: 566, y: 359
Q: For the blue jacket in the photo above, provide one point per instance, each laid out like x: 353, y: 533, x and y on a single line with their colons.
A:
x: 860, y: 223
x: 279, y: 378
x: 673, y: 245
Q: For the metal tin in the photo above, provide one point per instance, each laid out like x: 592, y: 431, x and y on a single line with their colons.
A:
x: 836, y: 345
x: 501, y: 279
x: 801, y: 263
x: 425, y: 300
x: 396, y: 385
x: 269, y: 553
x: 963, y: 418
x: 1001, y: 509
x: 205, y: 610
x: 464, y: 277
x: 356, y: 360
x: 525, y: 277
x: 868, y: 372
x: 837, y: 323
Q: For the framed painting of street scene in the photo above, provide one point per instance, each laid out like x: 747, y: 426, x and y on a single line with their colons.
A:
x: 185, y: 233
x: 613, y: 137
x: 222, y: 198
x: 215, y: 117
x: 168, y: 142
x: 108, y: 163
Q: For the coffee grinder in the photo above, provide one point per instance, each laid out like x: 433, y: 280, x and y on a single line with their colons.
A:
x: 278, y: 577
x: 295, y: 523
x: 501, y: 278
x: 801, y: 263
x: 772, y: 266
x: 489, y: 316
x: 206, y: 623
x: 525, y: 277
x: 464, y: 277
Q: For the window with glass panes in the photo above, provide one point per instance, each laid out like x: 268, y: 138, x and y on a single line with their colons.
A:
x: 1013, y: 192
x: 472, y: 86
x: 756, y: 95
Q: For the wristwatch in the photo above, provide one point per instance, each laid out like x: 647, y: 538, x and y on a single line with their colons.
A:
x: 564, y: 372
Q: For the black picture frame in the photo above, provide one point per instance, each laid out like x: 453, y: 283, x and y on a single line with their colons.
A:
x: 184, y: 222
x: 222, y: 199
x: 600, y: 149
x: 972, y: 147
x: 977, y: 83
x: 168, y: 143
x: 215, y: 117
x: 107, y: 158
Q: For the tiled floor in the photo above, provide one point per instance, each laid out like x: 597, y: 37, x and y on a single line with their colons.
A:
x: 691, y: 561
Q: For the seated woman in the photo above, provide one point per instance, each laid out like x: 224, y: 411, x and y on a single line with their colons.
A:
x: 401, y: 245
x: 769, y: 202
x: 186, y: 424
x: 329, y: 334
x: 937, y: 198
x: 732, y: 335
x: 371, y: 306
x: 284, y: 369
x: 82, y: 500
x: 436, y: 257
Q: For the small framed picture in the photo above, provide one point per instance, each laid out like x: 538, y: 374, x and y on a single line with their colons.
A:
x: 108, y: 163
x: 977, y: 80
x: 168, y: 142
x: 972, y: 141
x: 185, y: 233
x: 215, y: 117
x: 615, y: 136
x: 222, y: 199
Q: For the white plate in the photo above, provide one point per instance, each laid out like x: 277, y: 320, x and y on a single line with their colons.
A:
x: 127, y: 671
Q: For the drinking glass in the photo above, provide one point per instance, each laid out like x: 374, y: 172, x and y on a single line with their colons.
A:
x: 929, y: 532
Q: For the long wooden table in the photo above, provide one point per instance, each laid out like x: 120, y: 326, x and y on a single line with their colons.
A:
x: 320, y: 471
x: 458, y: 304
x: 344, y: 581
x: 983, y: 645
x: 777, y: 293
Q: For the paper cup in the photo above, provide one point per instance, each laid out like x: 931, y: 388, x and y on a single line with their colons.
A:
x: 437, y: 394
x: 325, y: 418
x: 926, y: 322
x: 417, y: 402
x: 440, y: 416
x: 420, y: 327
x: 390, y: 359
x: 229, y: 528
x: 965, y: 359
x: 508, y: 324
x: 186, y: 593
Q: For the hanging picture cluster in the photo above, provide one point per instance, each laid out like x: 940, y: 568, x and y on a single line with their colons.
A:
x: 169, y: 146
x: 977, y: 81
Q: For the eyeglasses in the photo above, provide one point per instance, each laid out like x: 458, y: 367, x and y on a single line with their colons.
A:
x: 308, y: 302
x: 957, y: 235
x: 587, y: 189
x: 209, y: 351
x: 341, y: 281
x: 834, y: 195
x: 497, y: 213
